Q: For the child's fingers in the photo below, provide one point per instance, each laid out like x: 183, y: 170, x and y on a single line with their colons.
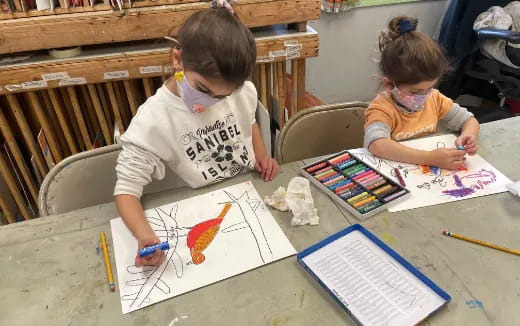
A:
x: 153, y: 259
x: 276, y: 169
x: 269, y: 171
x: 258, y: 167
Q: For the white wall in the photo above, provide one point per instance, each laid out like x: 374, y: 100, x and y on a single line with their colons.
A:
x: 345, y: 69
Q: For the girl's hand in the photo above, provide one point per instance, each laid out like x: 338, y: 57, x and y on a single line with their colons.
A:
x: 469, y: 142
x: 267, y: 167
x: 448, y: 158
x: 154, y: 259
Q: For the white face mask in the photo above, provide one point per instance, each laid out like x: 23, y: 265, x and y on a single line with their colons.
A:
x: 412, y: 103
x: 194, y: 99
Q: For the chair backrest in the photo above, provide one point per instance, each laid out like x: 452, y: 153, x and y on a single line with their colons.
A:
x: 321, y: 130
x: 88, y: 178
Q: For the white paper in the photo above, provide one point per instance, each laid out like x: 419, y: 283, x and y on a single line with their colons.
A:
x: 248, y: 237
x: 438, y: 186
x: 372, y: 284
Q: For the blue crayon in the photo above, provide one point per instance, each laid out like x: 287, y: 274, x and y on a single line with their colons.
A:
x: 352, y: 193
x: 460, y: 147
x: 347, y: 164
x: 342, y: 183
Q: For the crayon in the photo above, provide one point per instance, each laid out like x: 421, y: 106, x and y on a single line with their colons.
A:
x: 342, y: 183
x: 322, y: 170
x: 339, y: 158
x: 347, y: 164
x: 330, y: 177
x: 377, y: 184
x: 364, y: 202
x: 316, y: 167
x: 382, y: 189
x: 351, y: 193
x: 394, y: 196
x: 358, y: 197
x: 367, y: 208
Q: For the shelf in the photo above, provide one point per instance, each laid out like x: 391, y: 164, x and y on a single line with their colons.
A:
x: 109, y: 26
x: 143, y: 59
x: 96, y: 7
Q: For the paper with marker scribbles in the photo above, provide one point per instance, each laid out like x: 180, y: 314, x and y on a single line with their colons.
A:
x: 371, y: 284
x: 207, y: 247
x: 430, y: 185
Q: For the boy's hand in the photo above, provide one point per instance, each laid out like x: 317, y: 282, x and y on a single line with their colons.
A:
x: 469, y: 142
x: 154, y: 259
x: 267, y: 167
x: 448, y: 158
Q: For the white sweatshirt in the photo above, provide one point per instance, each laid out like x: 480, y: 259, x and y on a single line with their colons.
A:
x: 201, y: 148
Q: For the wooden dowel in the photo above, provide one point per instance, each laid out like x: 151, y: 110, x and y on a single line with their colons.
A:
x: 109, y: 116
x: 294, y: 86
x: 301, y: 84
x: 55, y: 125
x: 47, y: 129
x: 71, y: 118
x: 100, y: 114
x: 35, y: 150
x: 69, y: 138
x: 17, y: 154
x: 148, y: 87
x: 79, y: 117
x: 263, y: 85
x: 130, y: 94
x: 269, y: 88
x: 8, y: 213
x: 115, y: 107
x: 13, y: 187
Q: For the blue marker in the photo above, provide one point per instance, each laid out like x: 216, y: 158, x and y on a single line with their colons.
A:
x: 147, y: 251
x: 460, y: 147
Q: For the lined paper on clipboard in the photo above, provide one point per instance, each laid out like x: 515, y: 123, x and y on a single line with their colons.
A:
x: 370, y: 283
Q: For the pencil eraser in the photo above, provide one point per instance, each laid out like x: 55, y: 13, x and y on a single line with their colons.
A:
x: 444, y: 232
x: 112, y: 287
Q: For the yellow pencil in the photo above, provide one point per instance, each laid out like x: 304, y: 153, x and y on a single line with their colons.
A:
x: 482, y: 243
x: 111, y: 284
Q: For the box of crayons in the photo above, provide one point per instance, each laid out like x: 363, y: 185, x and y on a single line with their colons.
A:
x: 355, y: 185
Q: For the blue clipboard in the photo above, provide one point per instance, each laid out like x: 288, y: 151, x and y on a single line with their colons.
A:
x: 357, y: 227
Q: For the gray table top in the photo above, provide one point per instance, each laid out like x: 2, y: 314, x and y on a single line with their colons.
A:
x: 52, y: 273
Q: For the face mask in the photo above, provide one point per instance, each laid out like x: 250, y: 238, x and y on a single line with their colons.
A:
x: 412, y: 103
x: 194, y: 99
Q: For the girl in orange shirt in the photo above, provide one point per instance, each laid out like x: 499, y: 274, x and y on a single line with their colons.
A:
x: 410, y: 107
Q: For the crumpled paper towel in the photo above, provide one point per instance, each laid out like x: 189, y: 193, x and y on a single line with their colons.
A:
x: 298, y: 199
x: 514, y: 188
x: 277, y: 200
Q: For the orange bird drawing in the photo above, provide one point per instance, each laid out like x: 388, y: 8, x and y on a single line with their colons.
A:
x: 201, y: 235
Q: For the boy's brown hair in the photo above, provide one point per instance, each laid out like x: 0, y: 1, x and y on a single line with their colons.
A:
x: 409, y: 56
x: 216, y: 44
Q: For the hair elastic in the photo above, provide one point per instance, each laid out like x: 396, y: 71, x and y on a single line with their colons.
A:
x: 406, y: 26
x: 223, y: 4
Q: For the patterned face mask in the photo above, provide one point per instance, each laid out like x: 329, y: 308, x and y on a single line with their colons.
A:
x: 194, y: 99
x: 412, y: 103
